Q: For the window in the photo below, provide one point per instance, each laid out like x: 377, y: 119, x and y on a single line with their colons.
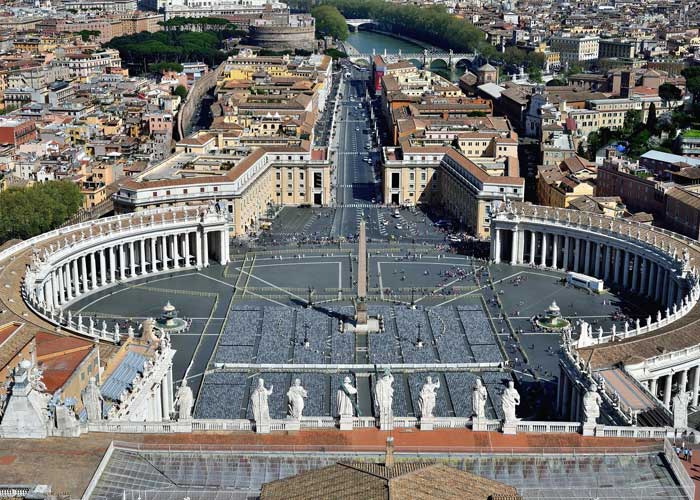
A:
x: 216, y: 188
x: 155, y: 193
x: 201, y: 190
x: 184, y: 191
x: 289, y: 176
x: 167, y: 193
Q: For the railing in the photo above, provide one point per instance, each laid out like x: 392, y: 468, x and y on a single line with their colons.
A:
x: 405, y: 450
x: 356, y: 367
x: 632, y: 432
x: 549, y: 427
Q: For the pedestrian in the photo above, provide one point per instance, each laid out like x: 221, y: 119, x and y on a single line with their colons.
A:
x: 685, y: 453
x: 690, y: 456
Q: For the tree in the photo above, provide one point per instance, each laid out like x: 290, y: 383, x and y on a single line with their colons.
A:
x: 330, y: 22
x: 535, y: 74
x: 580, y: 150
x: 651, y: 118
x: 86, y: 35
x: 181, y: 91
x: 633, y: 118
x: 162, y: 67
x: 669, y: 92
x: 27, y: 212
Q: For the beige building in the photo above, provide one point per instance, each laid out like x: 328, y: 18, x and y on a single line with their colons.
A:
x: 575, y: 49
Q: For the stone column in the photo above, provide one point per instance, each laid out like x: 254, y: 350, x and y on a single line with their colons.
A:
x: 93, y: 271
x: 565, y: 263
x: 635, y: 273
x: 696, y: 386
x: 76, y: 277
x: 164, y: 251
x: 513, y: 247
x: 132, y: 259
x: 626, y: 271
x: 198, y: 248
x: 643, y: 275
x: 608, y: 261
x: 618, y: 266
x: 176, y: 251
x: 112, y: 264
x: 577, y: 254
x: 651, y: 282
x: 683, y: 384
x: 598, y: 258
x: 164, y: 401
x: 543, y: 262
x: 55, y: 287
x: 653, y: 387
x: 61, y: 286
x: 103, y: 267
x: 533, y: 235
x: 667, y: 391
x: 154, y: 255
x: 496, y: 247
x: 69, y: 281
x: 122, y: 262
x: 224, y: 247
x: 205, y: 249
x: 187, y: 250
x: 587, y: 259
x: 555, y: 251
x: 142, y: 256
x: 659, y: 282
x: 171, y: 405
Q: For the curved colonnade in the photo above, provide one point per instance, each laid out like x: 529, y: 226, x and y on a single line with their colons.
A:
x: 75, y: 261
x: 662, y: 351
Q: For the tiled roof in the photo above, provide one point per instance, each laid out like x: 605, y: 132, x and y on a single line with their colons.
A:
x: 370, y: 481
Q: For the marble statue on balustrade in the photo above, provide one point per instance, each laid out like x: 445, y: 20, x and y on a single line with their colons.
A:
x: 184, y: 400
x: 261, y: 409
x: 343, y: 399
x: 680, y: 410
x: 479, y: 396
x: 510, y: 400
x: 591, y: 405
x: 92, y: 401
x: 296, y: 395
x: 426, y: 398
x: 384, y: 398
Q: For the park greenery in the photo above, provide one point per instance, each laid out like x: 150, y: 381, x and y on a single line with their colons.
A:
x: 162, y: 67
x: 330, y: 22
x: 144, y: 49
x: 27, y: 212
x: 181, y: 91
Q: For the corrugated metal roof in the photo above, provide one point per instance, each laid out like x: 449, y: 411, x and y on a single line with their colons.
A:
x: 122, y: 378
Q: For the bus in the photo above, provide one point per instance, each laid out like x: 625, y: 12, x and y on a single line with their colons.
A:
x: 584, y: 281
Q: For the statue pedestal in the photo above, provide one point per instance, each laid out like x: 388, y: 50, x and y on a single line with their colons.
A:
x: 262, y: 427
x: 386, y: 423
x: 589, y: 428
x: 510, y: 427
x: 345, y: 423
x: 292, y: 424
x: 479, y: 424
x: 426, y: 424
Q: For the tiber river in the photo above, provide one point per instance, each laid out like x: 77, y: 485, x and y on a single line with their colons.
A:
x: 365, y: 41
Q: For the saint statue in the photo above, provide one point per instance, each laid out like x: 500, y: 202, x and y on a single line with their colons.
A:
x: 261, y: 410
x: 384, y: 394
x: 591, y: 405
x: 92, y: 401
x: 343, y: 398
x: 510, y: 399
x: 296, y: 395
x: 426, y: 398
x: 479, y: 396
x: 184, y: 401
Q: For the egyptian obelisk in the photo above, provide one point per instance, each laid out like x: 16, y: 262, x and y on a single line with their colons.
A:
x: 360, y: 306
